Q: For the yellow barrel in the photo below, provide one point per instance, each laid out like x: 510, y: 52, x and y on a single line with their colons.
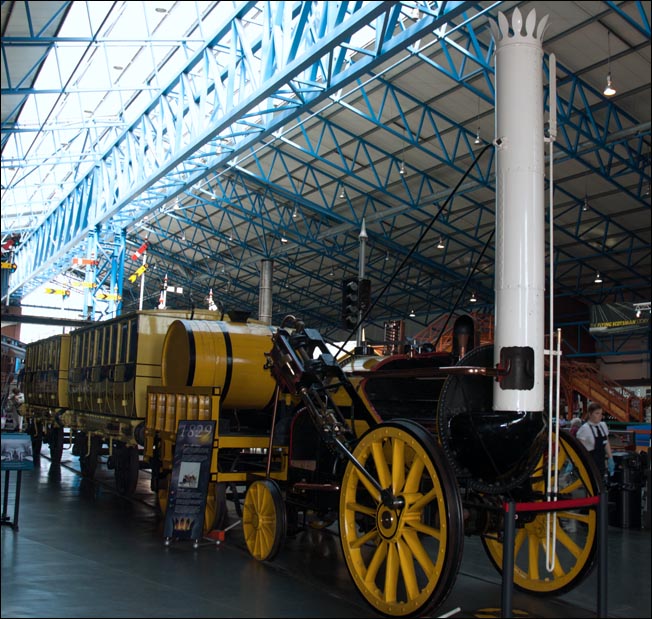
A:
x: 231, y: 356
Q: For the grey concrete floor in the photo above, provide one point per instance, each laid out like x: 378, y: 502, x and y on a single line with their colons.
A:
x: 81, y: 550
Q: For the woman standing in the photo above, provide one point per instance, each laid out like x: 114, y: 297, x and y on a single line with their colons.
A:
x: 594, y: 435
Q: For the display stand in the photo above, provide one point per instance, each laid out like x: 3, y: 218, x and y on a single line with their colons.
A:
x: 5, y: 501
x: 512, y: 508
x: 16, y: 456
x: 184, y: 516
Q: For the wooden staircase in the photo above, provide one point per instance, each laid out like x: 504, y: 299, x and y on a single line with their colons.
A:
x: 616, y: 401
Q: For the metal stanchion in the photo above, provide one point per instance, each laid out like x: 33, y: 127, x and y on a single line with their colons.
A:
x: 508, y: 559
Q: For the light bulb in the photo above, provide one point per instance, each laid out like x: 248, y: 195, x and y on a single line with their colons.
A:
x: 609, y: 90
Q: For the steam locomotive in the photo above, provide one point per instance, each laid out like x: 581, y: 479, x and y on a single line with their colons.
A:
x: 314, y: 443
x: 408, y: 453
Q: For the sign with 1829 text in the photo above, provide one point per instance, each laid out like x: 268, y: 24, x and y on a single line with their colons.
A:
x: 191, y: 472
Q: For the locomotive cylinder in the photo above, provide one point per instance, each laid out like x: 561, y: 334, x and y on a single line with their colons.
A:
x: 200, y: 353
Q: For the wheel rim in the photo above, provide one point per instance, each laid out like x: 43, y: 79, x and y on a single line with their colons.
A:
x: 264, y: 520
x: 576, y: 531
x: 403, y: 560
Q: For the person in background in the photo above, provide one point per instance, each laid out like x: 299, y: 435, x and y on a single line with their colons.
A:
x: 594, y: 435
x: 575, y: 424
x: 14, y: 420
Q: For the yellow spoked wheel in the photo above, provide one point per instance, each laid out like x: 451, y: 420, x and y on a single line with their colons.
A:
x: 215, y: 511
x: 575, y: 545
x: 264, y: 519
x: 403, y: 547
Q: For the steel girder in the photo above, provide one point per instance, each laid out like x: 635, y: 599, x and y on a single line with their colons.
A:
x: 471, y: 58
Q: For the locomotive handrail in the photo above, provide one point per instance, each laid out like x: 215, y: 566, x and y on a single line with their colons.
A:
x: 446, y: 370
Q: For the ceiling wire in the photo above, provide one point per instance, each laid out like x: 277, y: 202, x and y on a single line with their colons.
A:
x: 407, y: 257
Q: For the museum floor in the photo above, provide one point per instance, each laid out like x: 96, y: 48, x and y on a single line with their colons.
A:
x: 81, y: 550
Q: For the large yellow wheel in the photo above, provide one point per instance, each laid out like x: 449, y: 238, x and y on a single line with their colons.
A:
x: 215, y: 511
x: 575, y: 549
x: 403, y: 547
x: 264, y: 519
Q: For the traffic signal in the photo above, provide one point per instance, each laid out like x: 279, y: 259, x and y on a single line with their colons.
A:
x: 364, y: 295
x: 350, y: 302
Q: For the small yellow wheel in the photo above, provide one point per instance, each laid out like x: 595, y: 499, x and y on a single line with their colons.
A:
x: 402, y: 546
x: 264, y: 519
x: 575, y: 546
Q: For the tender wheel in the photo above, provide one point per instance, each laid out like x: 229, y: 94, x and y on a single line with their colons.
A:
x: 575, y: 549
x: 55, y: 439
x: 403, y: 559
x: 264, y: 520
x: 215, y: 512
x: 88, y: 461
x: 126, y: 469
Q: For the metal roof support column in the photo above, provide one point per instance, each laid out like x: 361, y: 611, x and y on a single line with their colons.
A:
x: 90, y: 285
x: 117, y: 272
x: 265, y: 302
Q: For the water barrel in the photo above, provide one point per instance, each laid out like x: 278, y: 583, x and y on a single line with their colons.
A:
x: 231, y: 356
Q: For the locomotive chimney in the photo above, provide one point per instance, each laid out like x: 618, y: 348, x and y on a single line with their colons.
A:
x: 520, y: 214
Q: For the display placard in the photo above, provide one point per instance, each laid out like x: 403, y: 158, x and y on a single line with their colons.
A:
x: 17, y: 452
x: 184, y: 516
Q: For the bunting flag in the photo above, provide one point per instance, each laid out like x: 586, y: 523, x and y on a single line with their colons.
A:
x: 64, y: 292
x: 139, y: 271
x: 85, y: 262
x: 107, y: 296
x: 140, y: 251
x: 85, y: 284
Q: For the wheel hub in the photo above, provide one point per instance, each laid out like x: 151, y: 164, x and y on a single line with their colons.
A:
x: 387, y: 521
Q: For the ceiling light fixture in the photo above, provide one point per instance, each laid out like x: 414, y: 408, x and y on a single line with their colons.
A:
x: 412, y: 314
x: 440, y: 245
x: 609, y: 90
x: 473, y: 299
x: 283, y: 240
x: 342, y: 194
x: 295, y: 213
x: 598, y: 278
x: 585, y: 205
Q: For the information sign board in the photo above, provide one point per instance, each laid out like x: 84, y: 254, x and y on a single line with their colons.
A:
x: 184, y: 517
x: 17, y: 452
